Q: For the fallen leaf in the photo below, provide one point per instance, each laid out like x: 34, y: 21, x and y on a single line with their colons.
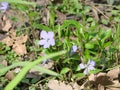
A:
x: 2, y: 36
x: 12, y: 34
x: 76, y: 86
x: 4, y: 62
x: 101, y: 87
x: 10, y: 75
x: 115, y: 86
x: 113, y: 74
x: 8, y: 41
x: 7, y: 26
x: 103, y: 79
x: 4, y: 18
x: 21, y: 39
x: 92, y: 77
x: 19, y: 49
x: 46, y: 16
x: 55, y: 85
x: 60, y: 17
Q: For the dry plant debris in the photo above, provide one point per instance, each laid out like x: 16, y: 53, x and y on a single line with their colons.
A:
x: 103, y: 81
x: 10, y: 39
x: 56, y: 85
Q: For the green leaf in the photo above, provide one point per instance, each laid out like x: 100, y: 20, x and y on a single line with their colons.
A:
x: 67, y: 23
x: 89, y: 45
x: 110, y: 2
x: 107, y: 44
x: 105, y: 35
x: 25, y: 80
x: 34, y: 80
x: 40, y: 26
x: 78, y: 75
x: 95, y: 71
x: 64, y: 70
x: 105, y: 22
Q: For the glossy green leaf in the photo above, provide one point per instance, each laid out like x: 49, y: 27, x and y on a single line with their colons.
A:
x: 89, y: 45
x: 64, y: 70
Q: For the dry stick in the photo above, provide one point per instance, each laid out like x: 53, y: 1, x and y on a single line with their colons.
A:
x: 101, y: 12
x: 106, y: 5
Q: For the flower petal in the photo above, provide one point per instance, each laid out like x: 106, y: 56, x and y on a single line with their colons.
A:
x: 42, y: 42
x: 91, y: 68
x: 46, y: 45
x: 4, y: 3
x: 74, y: 48
x: 86, y: 71
x: 44, y: 34
x: 50, y: 34
x: 4, y: 6
x: 82, y: 66
x: 52, y: 42
x: 91, y: 62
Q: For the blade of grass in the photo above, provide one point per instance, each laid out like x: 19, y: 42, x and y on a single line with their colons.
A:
x: 19, y: 2
x: 22, y: 64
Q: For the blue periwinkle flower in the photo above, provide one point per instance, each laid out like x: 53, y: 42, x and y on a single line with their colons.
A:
x: 74, y: 48
x: 87, y: 67
x: 4, y: 6
x: 47, y: 39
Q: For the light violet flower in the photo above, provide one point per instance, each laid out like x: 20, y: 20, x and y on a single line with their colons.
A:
x: 4, y: 6
x: 47, y: 39
x: 74, y: 48
x: 87, y: 67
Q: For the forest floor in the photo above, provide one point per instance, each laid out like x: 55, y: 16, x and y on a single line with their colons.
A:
x: 21, y: 26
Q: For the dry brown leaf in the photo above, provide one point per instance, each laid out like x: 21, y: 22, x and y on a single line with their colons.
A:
x: 60, y: 17
x: 7, y: 26
x: 46, y: 16
x: 113, y: 74
x: 8, y: 41
x: 92, y: 77
x: 103, y: 79
x: 76, y: 86
x: 4, y: 62
x: 10, y: 75
x: 12, y: 34
x: 19, y: 49
x: 101, y: 87
x: 115, y: 86
x: 2, y: 36
x: 55, y: 85
x: 21, y: 39
x: 113, y: 89
x: 4, y: 18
